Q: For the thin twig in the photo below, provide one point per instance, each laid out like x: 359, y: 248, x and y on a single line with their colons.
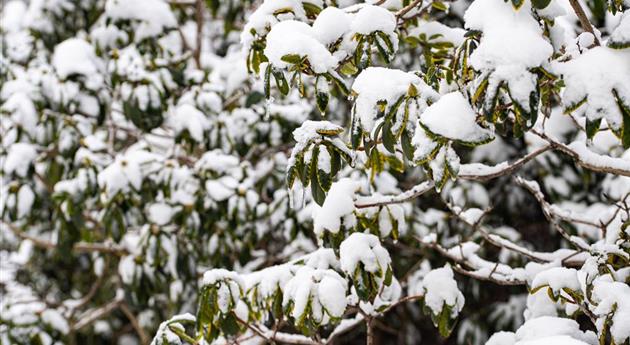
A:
x: 584, y: 22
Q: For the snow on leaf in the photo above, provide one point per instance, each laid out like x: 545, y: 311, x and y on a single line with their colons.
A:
x: 450, y: 109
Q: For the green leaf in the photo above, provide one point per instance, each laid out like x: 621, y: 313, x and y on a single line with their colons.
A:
x: 292, y: 58
x: 318, y: 193
x: 281, y: 81
x: 268, y: 82
x: 625, y: 126
x: 388, y: 276
x: 445, y: 323
x: 407, y: 147
x: 592, y: 127
x: 540, y: 4
x: 517, y: 4
x: 349, y: 68
x: 335, y: 161
x: 229, y: 324
x: 324, y: 179
x: 254, y: 98
x: 438, y: 5
x: 388, y: 138
x: 311, y: 9
x: 322, y: 101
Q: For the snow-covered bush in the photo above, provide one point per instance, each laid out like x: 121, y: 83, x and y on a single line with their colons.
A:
x: 315, y: 172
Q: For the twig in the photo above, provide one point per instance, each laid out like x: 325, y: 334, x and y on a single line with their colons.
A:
x: 413, y: 193
x: 94, y: 314
x: 466, y: 170
x: 401, y: 13
x: 199, y: 19
x: 584, y: 22
x: 144, y: 339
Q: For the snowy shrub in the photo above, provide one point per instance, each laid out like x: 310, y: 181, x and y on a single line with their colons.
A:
x: 315, y: 172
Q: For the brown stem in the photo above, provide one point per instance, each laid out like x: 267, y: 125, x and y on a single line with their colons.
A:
x: 144, y: 339
x: 199, y: 20
x: 370, y: 331
x: 584, y: 22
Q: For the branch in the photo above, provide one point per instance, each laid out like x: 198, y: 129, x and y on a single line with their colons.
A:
x: 401, y: 13
x: 587, y: 158
x: 475, y: 272
x: 584, y: 22
x: 534, y: 188
x: 144, y: 339
x: 416, y: 191
x: 94, y: 314
x: 481, y: 172
x: 199, y: 19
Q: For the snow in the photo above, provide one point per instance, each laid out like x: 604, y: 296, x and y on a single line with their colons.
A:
x: 621, y: 34
x: 365, y: 249
x: 325, y: 289
x: 376, y: 84
x: 310, y: 130
x: 372, y: 18
x: 557, y: 278
x: 434, y: 28
x: 22, y: 110
x: 440, y: 289
x: 56, y: 320
x: 151, y: 17
x: 160, y: 213
x: 547, y: 327
x: 229, y: 286
x: 601, y: 161
x: 25, y: 198
x: 297, y: 38
x: 614, y: 297
x: 20, y: 158
x: 510, y: 37
x: 450, y: 109
x: 75, y: 56
x: 187, y: 117
x: 216, y: 161
x: 331, y: 24
x: 593, y: 76
x: 264, y: 18
x: 120, y: 176
x: 511, y: 44
x: 12, y: 15
x: 337, y: 209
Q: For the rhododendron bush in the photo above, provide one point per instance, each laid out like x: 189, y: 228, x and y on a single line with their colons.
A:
x: 315, y: 172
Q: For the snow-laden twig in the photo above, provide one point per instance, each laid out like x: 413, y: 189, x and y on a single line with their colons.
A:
x: 411, y: 194
x: 482, y: 172
x: 587, y: 158
x: 550, y: 213
x: 92, y: 315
